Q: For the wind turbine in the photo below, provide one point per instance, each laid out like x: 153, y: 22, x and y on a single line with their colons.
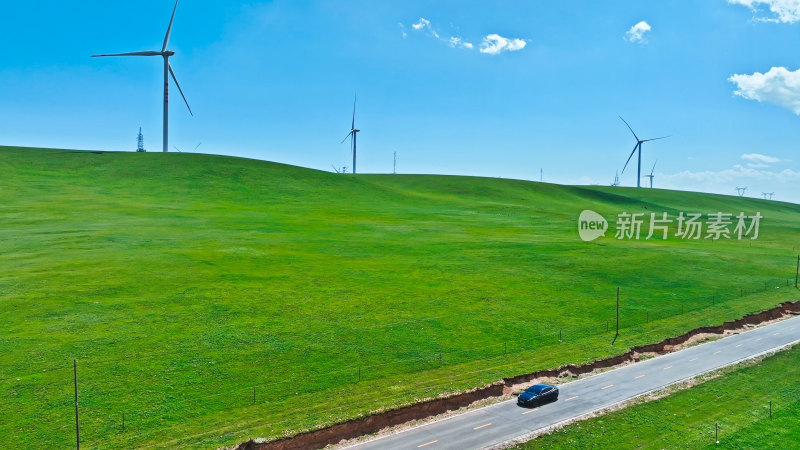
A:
x: 353, y: 134
x: 638, y: 146
x: 741, y: 191
x: 651, y: 176
x: 164, y: 53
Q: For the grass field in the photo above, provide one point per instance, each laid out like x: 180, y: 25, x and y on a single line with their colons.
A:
x: 737, y: 401
x: 184, y: 284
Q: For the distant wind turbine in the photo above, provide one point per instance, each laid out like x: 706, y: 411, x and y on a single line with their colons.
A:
x: 352, y: 135
x: 741, y: 191
x: 164, y: 53
x: 651, y: 176
x: 616, y: 179
x: 638, y: 146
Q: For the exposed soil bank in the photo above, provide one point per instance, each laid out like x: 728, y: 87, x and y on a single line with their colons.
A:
x: 373, y: 424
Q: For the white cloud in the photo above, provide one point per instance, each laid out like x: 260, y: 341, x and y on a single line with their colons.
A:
x: 737, y: 173
x: 425, y: 24
x: 495, y: 44
x: 637, y: 32
x: 778, y: 86
x: 784, y: 182
x: 758, y: 158
x: 458, y: 42
x: 785, y: 11
x: 402, y: 29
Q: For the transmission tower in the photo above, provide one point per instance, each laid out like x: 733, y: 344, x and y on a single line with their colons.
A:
x: 140, y: 146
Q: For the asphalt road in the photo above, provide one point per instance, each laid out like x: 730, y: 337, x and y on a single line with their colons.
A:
x: 506, y: 421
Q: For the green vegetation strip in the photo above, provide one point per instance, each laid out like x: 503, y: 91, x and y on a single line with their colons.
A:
x: 181, y: 282
x: 738, y: 402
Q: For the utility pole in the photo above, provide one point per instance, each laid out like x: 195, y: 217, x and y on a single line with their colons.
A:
x: 77, y: 423
x: 797, y: 272
x: 617, y: 335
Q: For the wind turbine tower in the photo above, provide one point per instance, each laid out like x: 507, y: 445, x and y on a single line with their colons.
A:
x: 164, y: 53
x: 651, y: 176
x: 353, y: 135
x: 140, y: 142
x: 616, y: 179
x: 394, y: 169
x: 638, y: 147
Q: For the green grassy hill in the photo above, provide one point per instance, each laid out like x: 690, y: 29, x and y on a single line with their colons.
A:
x: 181, y: 282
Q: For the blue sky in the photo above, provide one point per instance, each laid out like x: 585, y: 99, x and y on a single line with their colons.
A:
x: 541, y: 86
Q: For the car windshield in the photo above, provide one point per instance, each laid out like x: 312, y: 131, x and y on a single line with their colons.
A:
x: 537, y: 389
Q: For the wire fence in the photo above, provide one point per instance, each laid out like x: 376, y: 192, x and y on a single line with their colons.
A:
x: 204, y: 390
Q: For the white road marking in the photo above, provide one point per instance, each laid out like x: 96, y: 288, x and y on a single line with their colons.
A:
x: 528, y: 412
x: 483, y: 426
x: 640, y: 376
x: 668, y: 367
x: 606, y: 387
x: 694, y: 359
x: 427, y: 443
x: 571, y: 398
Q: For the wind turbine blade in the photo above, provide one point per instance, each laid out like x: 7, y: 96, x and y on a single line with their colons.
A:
x: 169, y: 29
x: 654, y: 168
x: 629, y: 127
x: 662, y: 137
x: 180, y: 90
x: 129, y: 54
x: 629, y: 157
x: 345, y: 138
x: 198, y: 146
x: 353, y: 125
x: 176, y: 148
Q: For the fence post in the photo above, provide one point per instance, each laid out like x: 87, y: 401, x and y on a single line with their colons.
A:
x: 440, y: 360
x: 77, y: 422
x: 254, y: 395
x: 617, y: 335
x: 123, y: 421
x: 359, y: 374
x: 505, y: 348
x: 716, y: 427
x: 770, y: 409
x: 559, y: 336
x: 797, y: 272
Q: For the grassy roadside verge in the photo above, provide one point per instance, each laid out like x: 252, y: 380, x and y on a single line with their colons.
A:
x: 738, y: 401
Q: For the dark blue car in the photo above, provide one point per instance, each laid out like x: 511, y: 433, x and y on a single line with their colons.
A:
x: 538, y: 394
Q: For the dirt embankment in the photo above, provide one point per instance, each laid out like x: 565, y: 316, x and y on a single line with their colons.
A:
x: 373, y: 424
